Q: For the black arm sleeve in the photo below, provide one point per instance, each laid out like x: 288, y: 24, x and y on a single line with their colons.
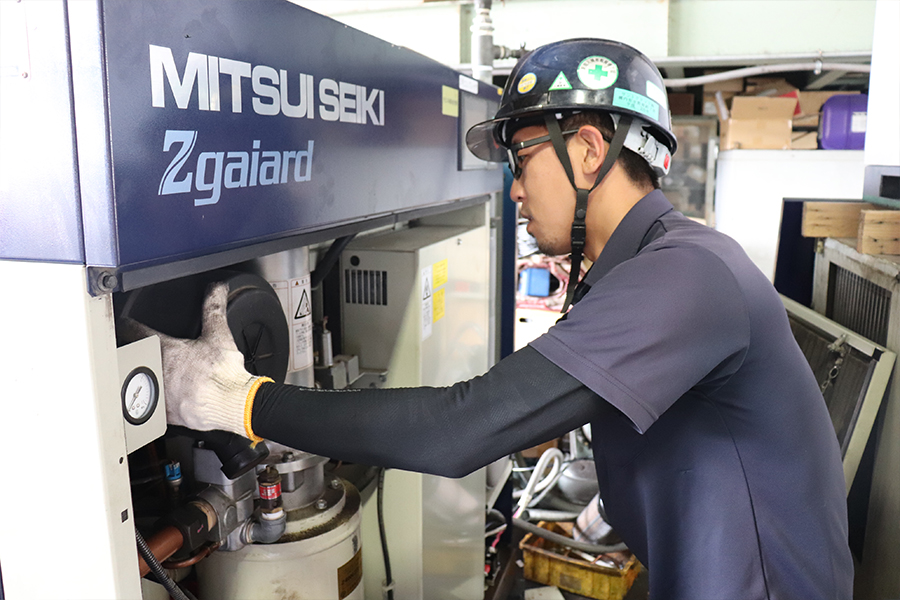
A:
x: 523, y: 400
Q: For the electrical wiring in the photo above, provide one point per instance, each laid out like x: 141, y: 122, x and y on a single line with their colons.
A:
x: 388, y: 579
x: 175, y: 590
x: 500, y: 518
x: 552, y: 458
x: 566, y: 541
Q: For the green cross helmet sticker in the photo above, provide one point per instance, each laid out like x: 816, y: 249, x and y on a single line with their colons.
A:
x: 598, y: 72
x: 561, y: 83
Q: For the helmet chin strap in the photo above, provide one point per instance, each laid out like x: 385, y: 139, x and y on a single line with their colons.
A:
x: 579, y: 229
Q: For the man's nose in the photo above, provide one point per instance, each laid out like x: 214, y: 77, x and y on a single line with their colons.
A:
x: 517, y: 191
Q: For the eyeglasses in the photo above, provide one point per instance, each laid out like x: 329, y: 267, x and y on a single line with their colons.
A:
x: 512, y: 152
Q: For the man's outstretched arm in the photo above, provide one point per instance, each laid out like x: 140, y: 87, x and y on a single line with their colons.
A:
x: 522, y: 401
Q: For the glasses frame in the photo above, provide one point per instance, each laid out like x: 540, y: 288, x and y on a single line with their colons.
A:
x: 512, y: 153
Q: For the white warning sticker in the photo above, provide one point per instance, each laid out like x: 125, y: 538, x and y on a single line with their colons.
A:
x: 300, y: 319
x: 284, y: 296
x: 427, y: 305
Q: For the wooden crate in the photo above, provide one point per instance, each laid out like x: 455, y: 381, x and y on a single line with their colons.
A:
x: 552, y: 564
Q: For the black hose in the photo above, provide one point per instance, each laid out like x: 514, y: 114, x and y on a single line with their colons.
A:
x: 388, y: 580
x: 327, y: 262
x: 176, y: 591
x: 566, y: 541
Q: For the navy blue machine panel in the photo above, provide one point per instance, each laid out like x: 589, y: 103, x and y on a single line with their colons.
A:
x: 40, y: 215
x: 233, y: 123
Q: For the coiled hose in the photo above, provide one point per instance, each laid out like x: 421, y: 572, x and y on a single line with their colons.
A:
x: 176, y: 591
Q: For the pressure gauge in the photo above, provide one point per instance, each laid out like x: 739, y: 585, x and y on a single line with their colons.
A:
x: 140, y: 395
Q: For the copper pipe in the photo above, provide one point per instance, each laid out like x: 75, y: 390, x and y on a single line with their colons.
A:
x: 163, y: 544
x: 203, y: 553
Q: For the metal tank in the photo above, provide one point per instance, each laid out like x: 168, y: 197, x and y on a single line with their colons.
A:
x: 319, y: 555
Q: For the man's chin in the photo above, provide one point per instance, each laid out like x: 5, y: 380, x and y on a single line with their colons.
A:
x: 551, y: 249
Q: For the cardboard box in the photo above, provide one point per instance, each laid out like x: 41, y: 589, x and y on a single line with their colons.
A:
x: 681, y: 103
x: 768, y: 86
x: 734, y: 86
x: 536, y: 451
x: 804, y: 140
x: 808, y: 106
x: 758, y: 123
x: 709, y: 103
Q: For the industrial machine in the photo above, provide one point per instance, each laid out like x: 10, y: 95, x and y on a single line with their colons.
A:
x: 151, y: 148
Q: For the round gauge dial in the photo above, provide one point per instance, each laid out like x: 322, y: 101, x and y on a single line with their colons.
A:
x: 140, y: 395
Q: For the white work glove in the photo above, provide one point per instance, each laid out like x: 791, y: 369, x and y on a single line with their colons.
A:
x: 206, y: 385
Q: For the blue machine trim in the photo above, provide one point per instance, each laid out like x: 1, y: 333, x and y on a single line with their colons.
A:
x: 205, y: 126
x: 509, y: 253
x: 313, y: 125
x: 133, y: 279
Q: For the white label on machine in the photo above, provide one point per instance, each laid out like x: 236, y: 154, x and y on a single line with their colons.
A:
x: 467, y: 84
x: 858, y: 122
x: 281, y: 289
x: 427, y: 310
x: 300, y: 318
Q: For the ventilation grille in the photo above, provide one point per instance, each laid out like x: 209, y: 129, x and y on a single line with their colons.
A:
x: 365, y: 287
x: 858, y: 304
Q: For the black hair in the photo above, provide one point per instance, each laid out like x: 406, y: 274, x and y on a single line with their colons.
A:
x: 636, y: 168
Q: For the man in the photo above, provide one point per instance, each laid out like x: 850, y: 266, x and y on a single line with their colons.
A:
x: 716, y: 457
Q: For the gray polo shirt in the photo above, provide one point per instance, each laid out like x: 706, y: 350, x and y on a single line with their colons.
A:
x: 718, y: 464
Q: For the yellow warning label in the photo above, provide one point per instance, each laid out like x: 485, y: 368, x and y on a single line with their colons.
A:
x: 439, y: 304
x: 439, y: 271
x: 349, y: 575
x: 450, y: 104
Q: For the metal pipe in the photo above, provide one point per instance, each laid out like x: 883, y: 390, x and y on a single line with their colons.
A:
x: 482, y: 42
x: 175, y: 590
x: 711, y: 62
x: 267, y: 530
x: 163, y: 544
x: 816, y: 66
x: 737, y: 60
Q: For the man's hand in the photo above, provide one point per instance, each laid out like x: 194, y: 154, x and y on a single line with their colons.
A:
x: 206, y: 384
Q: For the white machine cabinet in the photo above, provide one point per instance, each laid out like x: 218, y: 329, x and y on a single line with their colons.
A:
x: 415, y: 306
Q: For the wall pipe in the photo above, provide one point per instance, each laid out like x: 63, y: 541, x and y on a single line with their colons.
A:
x: 817, y: 67
x: 483, y: 42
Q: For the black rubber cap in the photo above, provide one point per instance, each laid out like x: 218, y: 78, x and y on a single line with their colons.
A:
x: 254, y: 314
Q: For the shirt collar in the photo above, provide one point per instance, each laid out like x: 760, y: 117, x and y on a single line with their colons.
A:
x: 628, y: 238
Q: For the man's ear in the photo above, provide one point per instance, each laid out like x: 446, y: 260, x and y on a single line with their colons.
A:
x: 595, y: 149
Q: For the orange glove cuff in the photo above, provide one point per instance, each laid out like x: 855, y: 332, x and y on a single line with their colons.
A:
x: 248, y: 407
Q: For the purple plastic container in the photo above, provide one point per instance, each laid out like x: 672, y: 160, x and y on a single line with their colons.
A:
x: 843, y: 122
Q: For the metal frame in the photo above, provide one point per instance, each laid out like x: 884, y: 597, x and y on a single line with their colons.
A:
x: 130, y: 280
x: 881, y: 552
x: 875, y: 390
x: 63, y: 438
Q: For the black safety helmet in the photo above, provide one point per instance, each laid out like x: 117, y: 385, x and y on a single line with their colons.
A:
x: 563, y: 78
x: 575, y: 75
